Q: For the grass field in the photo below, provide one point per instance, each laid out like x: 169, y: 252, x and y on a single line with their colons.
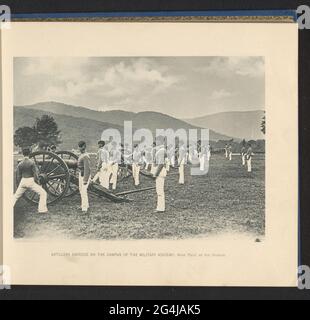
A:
x: 227, y: 200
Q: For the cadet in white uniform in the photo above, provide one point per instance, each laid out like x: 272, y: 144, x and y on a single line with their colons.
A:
x: 203, y: 157
x: 104, y: 167
x: 243, y: 155
x: 27, y: 175
x: 136, y: 163
x: 230, y: 152
x: 208, y: 153
x: 249, y: 155
x: 115, y: 158
x: 160, y: 176
x: 181, y: 162
x: 226, y: 151
x: 84, y: 175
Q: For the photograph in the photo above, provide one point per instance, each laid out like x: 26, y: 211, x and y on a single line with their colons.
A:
x: 139, y: 148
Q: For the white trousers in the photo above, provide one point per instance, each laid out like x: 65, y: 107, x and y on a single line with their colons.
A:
x: 136, y: 173
x: 243, y: 160
x: 30, y: 184
x: 153, y: 169
x: 105, y: 173
x: 160, y: 190
x: 226, y: 153
x: 202, y: 160
x: 114, y: 175
x: 181, y: 173
x: 230, y: 156
x: 249, y: 162
x: 168, y: 164
x: 84, y: 194
x: 96, y: 177
x: 209, y: 156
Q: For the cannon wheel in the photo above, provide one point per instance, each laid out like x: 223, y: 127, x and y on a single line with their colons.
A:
x: 67, y: 155
x: 53, y: 174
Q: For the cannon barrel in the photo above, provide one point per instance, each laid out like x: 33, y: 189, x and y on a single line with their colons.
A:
x: 71, y: 164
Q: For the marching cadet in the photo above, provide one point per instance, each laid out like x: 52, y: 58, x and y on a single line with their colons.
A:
x: 84, y: 175
x: 243, y: 154
x: 230, y: 152
x: 27, y: 178
x: 226, y: 151
x: 136, y: 162
x: 203, y: 157
x: 194, y: 154
x: 208, y: 153
x: 181, y: 161
x: 104, y: 166
x: 115, y: 158
x: 249, y: 155
x: 160, y: 176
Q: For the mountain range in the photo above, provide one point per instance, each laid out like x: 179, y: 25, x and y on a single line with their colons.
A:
x: 77, y: 123
x: 242, y: 125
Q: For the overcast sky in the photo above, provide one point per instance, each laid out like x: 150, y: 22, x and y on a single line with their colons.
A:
x: 182, y: 87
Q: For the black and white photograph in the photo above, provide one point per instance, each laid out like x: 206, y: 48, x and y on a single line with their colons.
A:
x: 134, y: 148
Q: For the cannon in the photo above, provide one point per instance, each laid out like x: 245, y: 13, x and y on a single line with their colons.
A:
x: 58, y: 175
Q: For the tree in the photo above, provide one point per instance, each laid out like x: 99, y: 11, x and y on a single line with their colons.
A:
x: 25, y: 137
x: 47, y: 132
x: 263, y: 125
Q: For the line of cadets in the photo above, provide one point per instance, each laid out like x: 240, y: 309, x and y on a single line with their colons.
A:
x: 157, y: 159
x: 246, y: 155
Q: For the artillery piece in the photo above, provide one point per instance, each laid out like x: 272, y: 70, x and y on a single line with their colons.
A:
x: 58, y: 174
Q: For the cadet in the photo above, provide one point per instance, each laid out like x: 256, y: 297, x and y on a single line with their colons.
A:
x: 243, y: 154
x: 226, y: 151
x: 136, y: 162
x: 230, y: 152
x: 160, y: 176
x: 249, y: 155
x: 115, y: 159
x: 181, y: 162
x: 27, y: 177
x: 203, y: 157
x: 84, y: 175
x: 105, y: 167
x: 208, y: 152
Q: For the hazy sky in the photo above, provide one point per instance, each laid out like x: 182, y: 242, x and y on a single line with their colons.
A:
x: 183, y: 87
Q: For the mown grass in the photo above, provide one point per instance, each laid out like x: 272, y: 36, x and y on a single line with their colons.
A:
x: 227, y: 200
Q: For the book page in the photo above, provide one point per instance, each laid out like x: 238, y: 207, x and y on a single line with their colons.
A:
x: 166, y: 153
